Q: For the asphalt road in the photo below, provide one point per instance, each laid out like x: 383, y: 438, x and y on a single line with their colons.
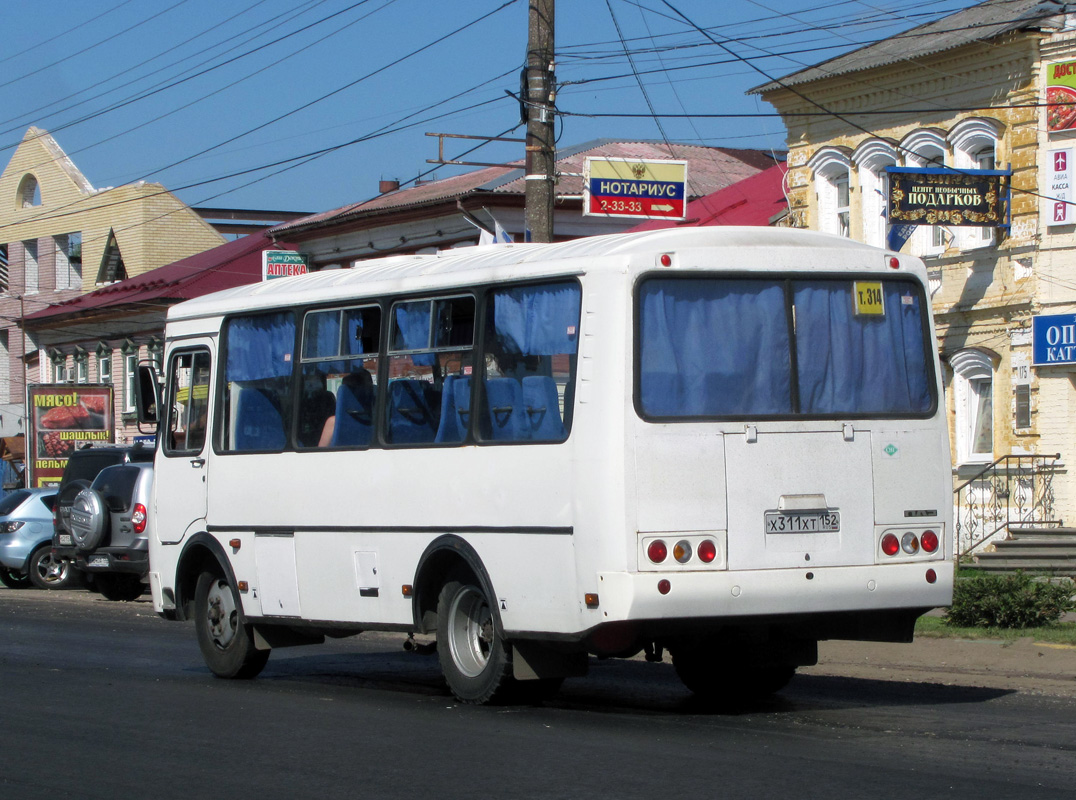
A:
x: 105, y: 700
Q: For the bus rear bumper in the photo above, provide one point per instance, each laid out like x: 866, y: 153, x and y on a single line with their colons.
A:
x: 772, y: 594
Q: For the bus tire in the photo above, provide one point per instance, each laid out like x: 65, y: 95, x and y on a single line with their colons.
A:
x: 715, y: 675
x: 224, y: 637
x: 475, y: 659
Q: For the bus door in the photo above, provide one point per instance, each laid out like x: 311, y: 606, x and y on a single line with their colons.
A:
x: 181, y: 507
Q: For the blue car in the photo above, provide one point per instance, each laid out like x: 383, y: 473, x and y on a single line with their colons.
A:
x: 26, y: 542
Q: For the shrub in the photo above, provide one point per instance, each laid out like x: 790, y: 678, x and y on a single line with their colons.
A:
x: 1008, y: 601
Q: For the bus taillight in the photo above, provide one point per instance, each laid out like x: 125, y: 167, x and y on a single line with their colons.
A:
x: 657, y: 551
x: 890, y: 544
x: 929, y: 540
x: 909, y: 543
x: 707, y: 551
x: 682, y: 551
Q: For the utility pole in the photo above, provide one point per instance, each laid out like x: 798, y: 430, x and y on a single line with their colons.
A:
x: 540, y: 103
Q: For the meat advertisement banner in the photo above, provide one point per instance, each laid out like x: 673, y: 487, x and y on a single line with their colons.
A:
x: 62, y: 418
x: 1061, y: 96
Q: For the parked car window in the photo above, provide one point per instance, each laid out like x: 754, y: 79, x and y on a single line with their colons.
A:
x: 117, y: 484
x: 13, y: 501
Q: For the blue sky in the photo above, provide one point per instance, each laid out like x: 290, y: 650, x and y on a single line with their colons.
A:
x: 230, y: 103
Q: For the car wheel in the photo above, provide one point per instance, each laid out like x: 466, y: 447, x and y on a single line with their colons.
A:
x: 119, y: 586
x: 224, y: 637
x: 48, y: 571
x: 475, y: 659
x: 89, y: 520
x: 14, y: 580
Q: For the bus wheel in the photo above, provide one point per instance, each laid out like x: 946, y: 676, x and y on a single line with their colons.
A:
x: 474, y: 657
x: 716, y: 675
x: 224, y: 637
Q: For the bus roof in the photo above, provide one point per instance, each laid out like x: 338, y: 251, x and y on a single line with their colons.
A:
x: 476, y: 265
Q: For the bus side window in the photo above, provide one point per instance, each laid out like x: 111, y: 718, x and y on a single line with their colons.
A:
x: 430, y: 363
x: 258, y: 361
x: 530, y: 358
x: 339, y: 373
x: 188, y: 390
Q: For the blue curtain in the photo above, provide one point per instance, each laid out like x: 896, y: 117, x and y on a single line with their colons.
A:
x: 714, y: 348
x: 413, y: 330
x: 538, y: 320
x: 352, y: 345
x: 321, y: 334
x: 260, y: 347
x: 860, y: 364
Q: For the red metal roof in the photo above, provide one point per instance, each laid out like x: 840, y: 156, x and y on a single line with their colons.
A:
x: 231, y: 264
x: 752, y: 201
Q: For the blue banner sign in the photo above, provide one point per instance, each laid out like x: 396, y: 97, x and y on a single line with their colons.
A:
x: 1053, y: 339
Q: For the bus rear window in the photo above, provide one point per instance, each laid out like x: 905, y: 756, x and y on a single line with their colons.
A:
x: 756, y: 348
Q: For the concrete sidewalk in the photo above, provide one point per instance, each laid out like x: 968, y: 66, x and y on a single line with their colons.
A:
x: 1024, y: 665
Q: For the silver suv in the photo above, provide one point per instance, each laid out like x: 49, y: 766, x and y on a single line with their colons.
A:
x: 109, y: 523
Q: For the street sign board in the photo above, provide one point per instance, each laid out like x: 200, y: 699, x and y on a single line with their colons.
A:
x: 635, y: 188
x: 1053, y: 339
x: 283, y: 264
x: 62, y: 418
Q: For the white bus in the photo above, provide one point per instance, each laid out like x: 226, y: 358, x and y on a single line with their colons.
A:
x: 724, y: 444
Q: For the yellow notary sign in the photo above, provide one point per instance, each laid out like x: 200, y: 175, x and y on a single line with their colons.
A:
x: 867, y: 299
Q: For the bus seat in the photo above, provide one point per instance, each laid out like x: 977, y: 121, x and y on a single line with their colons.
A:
x: 410, y: 417
x: 259, y: 424
x: 507, y: 418
x: 542, y: 403
x: 455, y: 408
x: 354, y: 413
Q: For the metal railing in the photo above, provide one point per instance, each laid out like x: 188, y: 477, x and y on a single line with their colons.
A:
x: 1014, y: 490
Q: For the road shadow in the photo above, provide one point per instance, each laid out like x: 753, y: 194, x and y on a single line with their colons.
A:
x: 618, y: 687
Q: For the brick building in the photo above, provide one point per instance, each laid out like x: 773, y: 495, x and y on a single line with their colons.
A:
x: 965, y: 92
x: 61, y: 237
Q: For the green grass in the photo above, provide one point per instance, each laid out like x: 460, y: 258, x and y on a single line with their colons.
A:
x: 1062, y: 633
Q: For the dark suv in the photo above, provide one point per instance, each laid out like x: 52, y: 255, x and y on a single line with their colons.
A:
x: 109, y: 523
x: 82, y: 467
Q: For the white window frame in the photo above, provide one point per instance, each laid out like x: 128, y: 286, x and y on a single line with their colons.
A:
x: 104, y: 365
x: 831, y: 168
x: 130, y: 375
x: 871, y: 158
x: 973, y: 394
x: 927, y: 149
x: 975, y: 146
x: 82, y: 368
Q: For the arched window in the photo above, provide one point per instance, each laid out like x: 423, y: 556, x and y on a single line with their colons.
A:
x: 926, y: 149
x: 29, y: 193
x: 830, y: 167
x: 973, y: 396
x: 871, y: 158
x: 975, y: 143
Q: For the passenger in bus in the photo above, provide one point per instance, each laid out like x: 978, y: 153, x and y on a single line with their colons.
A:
x: 355, y: 399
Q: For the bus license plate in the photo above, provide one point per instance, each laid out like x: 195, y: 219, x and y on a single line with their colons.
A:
x: 825, y: 522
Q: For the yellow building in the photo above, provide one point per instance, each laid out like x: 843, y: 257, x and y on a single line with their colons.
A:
x: 965, y: 92
x: 60, y: 237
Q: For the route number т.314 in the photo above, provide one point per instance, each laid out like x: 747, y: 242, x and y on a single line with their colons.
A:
x: 868, y: 299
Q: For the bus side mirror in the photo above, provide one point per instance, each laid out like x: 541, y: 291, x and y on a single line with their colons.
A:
x: 147, y: 395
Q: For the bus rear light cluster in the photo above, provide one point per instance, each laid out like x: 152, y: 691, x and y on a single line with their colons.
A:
x: 909, y: 543
x: 683, y: 552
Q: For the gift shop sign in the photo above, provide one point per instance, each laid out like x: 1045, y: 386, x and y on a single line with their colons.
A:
x: 63, y: 418
x: 938, y: 196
